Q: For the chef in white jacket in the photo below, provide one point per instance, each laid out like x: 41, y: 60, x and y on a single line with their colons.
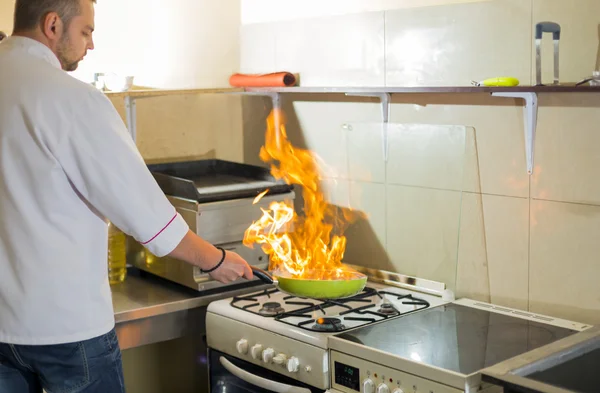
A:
x: 67, y: 166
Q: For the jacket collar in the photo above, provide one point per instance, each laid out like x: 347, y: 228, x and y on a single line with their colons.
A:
x: 33, y: 47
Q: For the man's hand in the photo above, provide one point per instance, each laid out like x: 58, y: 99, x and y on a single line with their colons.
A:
x: 232, y: 268
x: 195, y: 250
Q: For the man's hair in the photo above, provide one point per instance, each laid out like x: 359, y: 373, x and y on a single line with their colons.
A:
x: 30, y: 13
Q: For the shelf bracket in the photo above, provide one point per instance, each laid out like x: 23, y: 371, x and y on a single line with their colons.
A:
x: 530, y: 114
x: 386, y: 103
x: 130, y: 113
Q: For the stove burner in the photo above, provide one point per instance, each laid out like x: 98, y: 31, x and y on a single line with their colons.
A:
x: 328, y: 325
x: 271, y: 309
x: 387, y: 309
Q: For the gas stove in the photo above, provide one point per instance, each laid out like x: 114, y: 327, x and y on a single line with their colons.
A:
x: 288, y: 335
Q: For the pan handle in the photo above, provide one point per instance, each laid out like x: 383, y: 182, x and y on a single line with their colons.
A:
x: 263, y: 275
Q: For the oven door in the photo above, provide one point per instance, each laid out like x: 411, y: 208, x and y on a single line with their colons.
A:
x: 232, y: 375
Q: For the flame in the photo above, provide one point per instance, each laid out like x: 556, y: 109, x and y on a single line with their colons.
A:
x: 310, y: 249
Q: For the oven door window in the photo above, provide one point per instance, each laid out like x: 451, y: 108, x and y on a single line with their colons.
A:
x: 223, y: 381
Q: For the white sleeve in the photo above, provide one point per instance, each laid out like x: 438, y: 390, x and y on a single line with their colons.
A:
x: 103, y: 164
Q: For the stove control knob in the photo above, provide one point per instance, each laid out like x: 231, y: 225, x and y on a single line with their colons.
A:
x: 368, y: 386
x: 398, y: 391
x: 383, y: 388
x: 293, y: 364
x: 242, y: 346
x: 267, y: 355
x: 280, y: 359
x: 256, y: 351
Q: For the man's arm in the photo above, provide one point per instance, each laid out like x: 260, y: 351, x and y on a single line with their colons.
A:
x: 203, y: 254
x: 102, y: 162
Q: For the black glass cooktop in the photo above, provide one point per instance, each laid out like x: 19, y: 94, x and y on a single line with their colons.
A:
x: 457, y: 338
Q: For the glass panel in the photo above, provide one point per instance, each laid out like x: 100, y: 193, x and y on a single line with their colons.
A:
x: 412, y: 201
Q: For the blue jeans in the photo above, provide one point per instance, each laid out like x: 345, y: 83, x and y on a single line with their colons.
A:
x: 90, y: 366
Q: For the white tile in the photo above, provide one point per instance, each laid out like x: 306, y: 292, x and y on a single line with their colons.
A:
x: 343, y: 50
x: 255, y: 11
x: 366, y: 160
x: 257, y: 48
x: 422, y: 232
x: 336, y: 192
x: 564, y: 261
x: 427, y: 155
x: 473, y: 280
x: 326, y: 140
x: 578, y: 41
x: 366, y: 237
x: 320, y: 127
x: 183, y: 127
x: 495, y: 162
x: 454, y: 44
x: 507, y: 240
x: 567, y: 157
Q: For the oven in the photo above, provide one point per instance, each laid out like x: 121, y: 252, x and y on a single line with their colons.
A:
x: 271, y: 341
x: 229, y: 374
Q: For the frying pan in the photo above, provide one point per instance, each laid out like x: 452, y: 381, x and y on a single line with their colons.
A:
x: 313, y: 288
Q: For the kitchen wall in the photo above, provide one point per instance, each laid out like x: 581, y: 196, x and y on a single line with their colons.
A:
x: 6, y: 15
x: 174, y: 44
x: 166, y: 44
x: 525, y: 242
x: 187, y: 126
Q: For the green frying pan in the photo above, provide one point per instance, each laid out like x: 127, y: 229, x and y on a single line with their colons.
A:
x: 314, y: 289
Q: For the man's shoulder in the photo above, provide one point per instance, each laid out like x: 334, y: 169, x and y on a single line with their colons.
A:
x: 73, y: 91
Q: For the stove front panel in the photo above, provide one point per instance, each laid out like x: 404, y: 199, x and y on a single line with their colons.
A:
x: 294, y: 359
x: 351, y: 374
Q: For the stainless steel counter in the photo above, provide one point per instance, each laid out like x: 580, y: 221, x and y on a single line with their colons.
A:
x: 149, y: 309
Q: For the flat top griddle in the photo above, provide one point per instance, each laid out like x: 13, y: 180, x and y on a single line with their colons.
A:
x: 215, y: 180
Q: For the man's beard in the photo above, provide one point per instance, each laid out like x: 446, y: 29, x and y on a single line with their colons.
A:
x: 64, y: 54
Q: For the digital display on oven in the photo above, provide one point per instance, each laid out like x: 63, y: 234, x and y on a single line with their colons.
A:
x: 347, y: 376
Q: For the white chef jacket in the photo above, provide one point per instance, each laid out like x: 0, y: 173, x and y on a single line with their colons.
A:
x: 67, y: 164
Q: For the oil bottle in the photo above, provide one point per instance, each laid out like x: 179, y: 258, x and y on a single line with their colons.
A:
x: 117, y: 261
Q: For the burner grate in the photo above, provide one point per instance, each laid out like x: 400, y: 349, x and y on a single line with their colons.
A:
x: 365, y: 313
x: 306, y: 313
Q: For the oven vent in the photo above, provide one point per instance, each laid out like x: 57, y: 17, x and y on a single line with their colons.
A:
x: 515, y: 312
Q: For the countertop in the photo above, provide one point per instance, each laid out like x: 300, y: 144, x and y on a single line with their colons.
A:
x: 143, y: 296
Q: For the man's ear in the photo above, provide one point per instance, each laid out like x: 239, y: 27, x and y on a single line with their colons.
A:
x: 52, y: 26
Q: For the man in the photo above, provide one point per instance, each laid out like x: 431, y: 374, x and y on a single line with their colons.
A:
x: 67, y: 165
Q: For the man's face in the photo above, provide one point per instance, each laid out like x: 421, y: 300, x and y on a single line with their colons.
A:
x: 76, y: 39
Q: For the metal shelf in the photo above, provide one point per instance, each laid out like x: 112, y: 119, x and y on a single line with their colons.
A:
x: 428, y: 90
x: 526, y: 93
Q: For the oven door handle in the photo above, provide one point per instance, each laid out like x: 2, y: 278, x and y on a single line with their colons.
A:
x: 259, y: 381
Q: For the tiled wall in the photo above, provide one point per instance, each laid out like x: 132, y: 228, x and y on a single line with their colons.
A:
x: 188, y: 127
x: 525, y: 242
x: 166, y: 44
x: 6, y: 15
